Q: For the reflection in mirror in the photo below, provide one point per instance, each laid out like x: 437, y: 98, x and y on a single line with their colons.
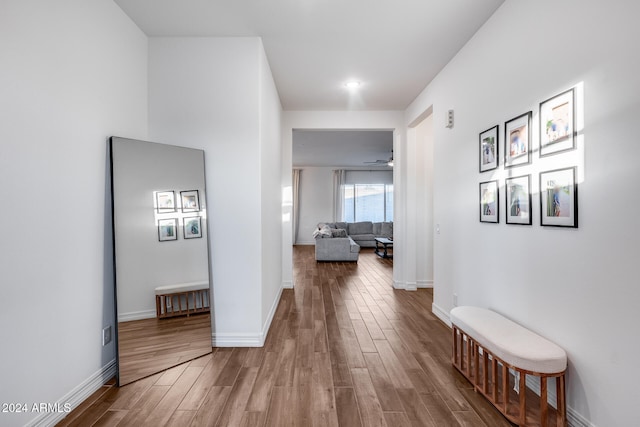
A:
x: 160, y: 255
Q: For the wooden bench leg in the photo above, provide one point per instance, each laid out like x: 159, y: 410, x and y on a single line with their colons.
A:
x: 544, y: 409
x: 494, y: 377
x: 523, y: 398
x: 454, y: 352
x: 505, y: 387
x: 561, y: 402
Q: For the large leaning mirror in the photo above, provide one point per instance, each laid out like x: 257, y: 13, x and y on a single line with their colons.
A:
x: 161, y: 256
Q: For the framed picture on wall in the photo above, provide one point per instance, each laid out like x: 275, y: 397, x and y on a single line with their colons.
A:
x: 192, y: 227
x: 517, y: 141
x: 190, y: 201
x: 518, y: 200
x: 558, y: 124
x: 489, y: 149
x: 165, y: 201
x: 559, y: 198
x: 489, y: 202
x: 167, y: 229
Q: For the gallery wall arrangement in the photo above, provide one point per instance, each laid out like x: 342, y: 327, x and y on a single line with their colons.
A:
x: 558, y: 188
x: 189, y: 201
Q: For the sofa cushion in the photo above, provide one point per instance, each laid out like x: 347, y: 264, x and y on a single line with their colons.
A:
x: 364, y: 227
x: 386, y: 229
x: 342, y: 225
x: 338, y: 232
x: 360, y: 237
x: 376, y: 228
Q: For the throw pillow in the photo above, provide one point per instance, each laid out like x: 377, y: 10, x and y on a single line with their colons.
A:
x: 338, y: 232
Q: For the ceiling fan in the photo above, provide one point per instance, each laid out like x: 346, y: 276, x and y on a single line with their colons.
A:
x: 381, y: 162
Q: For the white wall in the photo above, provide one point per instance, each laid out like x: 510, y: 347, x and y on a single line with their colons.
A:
x: 73, y: 73
x: 575, y: 286
x: 271, y: 194
x: 424, y: 202
x: 214, y: 94
x: 315, y: 201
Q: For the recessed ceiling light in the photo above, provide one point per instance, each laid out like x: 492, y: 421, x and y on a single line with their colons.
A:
x: 352, y: 84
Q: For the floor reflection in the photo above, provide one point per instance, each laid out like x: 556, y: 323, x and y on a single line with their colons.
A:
x: 151, y: 345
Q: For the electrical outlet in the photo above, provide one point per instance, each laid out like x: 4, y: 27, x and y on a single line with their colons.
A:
x: 106, y: 336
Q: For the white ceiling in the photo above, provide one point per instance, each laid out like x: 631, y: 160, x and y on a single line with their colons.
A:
x: 341, y: 148
x: 394, y: 47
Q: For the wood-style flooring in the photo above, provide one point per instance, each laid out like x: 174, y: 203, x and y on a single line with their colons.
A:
x: 147, y: 346
x: 344, y: 349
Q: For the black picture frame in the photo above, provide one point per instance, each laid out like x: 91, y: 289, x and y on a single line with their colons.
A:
x: 559, y: 198
x: 489, y: 202
x: 192, y: 227
x: 517, y: 141
x: 190, y: 201
x: 167, y: 229
x: 165, y: 201
x: 518, y: 200
x: 558, y: 124
x: 488, y: 150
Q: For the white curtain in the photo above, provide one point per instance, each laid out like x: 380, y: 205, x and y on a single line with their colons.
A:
x: 338, y: 194
x: 296, y: 200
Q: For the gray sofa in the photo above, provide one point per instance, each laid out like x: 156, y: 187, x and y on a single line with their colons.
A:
x: 341, y: 241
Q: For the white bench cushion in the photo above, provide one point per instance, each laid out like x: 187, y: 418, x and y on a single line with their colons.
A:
x: 182, y: 287
x: 509, y: 341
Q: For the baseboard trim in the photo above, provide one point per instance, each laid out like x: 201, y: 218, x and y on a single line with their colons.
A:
x: 223, y: 339
x: 76, y: 396
x: 287, y: 284
x: 272, y: 312
x: 574, y: 419
x: 425, y: 284
x: 441, y: 314
x: 136, y: 315
x: 397, y: 284
x: 306, y: 242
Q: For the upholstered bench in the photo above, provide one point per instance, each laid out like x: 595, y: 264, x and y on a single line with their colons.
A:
x: 182, y: 299
x: 486, y: 346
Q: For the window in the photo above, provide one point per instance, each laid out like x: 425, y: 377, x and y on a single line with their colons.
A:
x: 368, y: 202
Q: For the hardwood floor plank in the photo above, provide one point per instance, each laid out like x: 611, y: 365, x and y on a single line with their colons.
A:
x: 253, y: 419
x: 211, y: 407
x: 286, y: 362
x: 393, y: 366
x: 397, y: 419
x: 304, y: 355
x: 323, y: 398
x: 171, y: 400
x: 415, y: 409
x: 362, y: 334
x: 261, y: 393
x: 145, y: 406
x: 352, y: 348
x: 111, y: 418
x: 180, y: 418
x: 372, y: 326
x: 236, y: 403
x: 370, y: 409
x: 229, y: 373
x: 347, y: 407
x: 389, y: 400
x: 319, y: 336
